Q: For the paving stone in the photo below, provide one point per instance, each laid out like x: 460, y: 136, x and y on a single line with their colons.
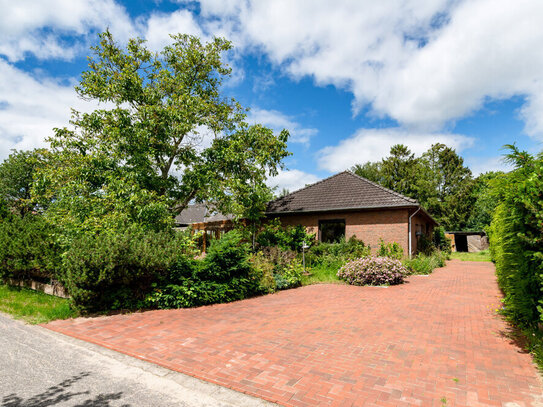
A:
x: 414, y: 344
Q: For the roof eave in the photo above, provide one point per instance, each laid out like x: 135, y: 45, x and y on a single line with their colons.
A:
x: 353, y: 208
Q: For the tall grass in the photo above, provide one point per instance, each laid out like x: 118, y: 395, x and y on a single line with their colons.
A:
x: 424, y: 264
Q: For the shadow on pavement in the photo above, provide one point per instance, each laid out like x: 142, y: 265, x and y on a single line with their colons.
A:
x: 61, y: 393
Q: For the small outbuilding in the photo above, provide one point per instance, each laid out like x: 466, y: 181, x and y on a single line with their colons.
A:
x: 464, y: 241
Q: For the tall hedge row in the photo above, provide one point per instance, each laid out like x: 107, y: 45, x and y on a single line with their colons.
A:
x: 516, y: 238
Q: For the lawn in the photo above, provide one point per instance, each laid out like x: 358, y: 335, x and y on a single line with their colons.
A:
x: 479, y: 256
x: 321, y: 274
x: 32, y: 306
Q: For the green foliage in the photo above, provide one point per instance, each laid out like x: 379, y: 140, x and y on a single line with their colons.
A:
x: 438, y: 180
x: 425, y: 245
x: 286, y: 237
x: 441, y: 242
x: 485, y: 200
x: 400, y: 171
x: 392, y: 250
x: 336, y: 254
x: 425, y: 264
x: 370, y: 171
x: 285, y: 265
x: 27, y: 248
x: 516, y: 238
x: 226, y: 258
x: 289, y: 276
x: 16, y: 178
x: 225, y: 274
x: 33, y: 306
x: 321, y: 273
x: 116, y: 270
x: 265, y: 269
x: 115, y: 165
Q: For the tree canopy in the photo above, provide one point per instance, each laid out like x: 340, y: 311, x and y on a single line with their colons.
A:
x: 163, y: 135
x: 438, y: 179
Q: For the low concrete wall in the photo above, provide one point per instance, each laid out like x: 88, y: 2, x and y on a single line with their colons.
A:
x: 55, y: 289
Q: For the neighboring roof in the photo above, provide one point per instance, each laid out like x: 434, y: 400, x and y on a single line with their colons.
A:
x: 198, y: 213
x: 342, y: 191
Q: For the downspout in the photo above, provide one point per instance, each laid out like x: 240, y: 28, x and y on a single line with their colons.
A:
x: 410, y: 235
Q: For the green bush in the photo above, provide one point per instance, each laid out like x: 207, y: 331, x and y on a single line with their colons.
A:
x: 336, y: 254
x: 441, y: 242
x: 425, y: 264
x: 273, y: 234
x: 284, y: 265
x: 116, y: 270
x: 225, y: 274
x: 392, y: 250
x: 27, y: 248
x: 516, y: 238
x: 289, y: 276
x: 225, y: 259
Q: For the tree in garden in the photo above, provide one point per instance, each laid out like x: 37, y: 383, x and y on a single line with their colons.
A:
x: 164, y: 135
x: 370, y: 170
x: 486, y: 200
x: 445, y: 186
x: 16, y: 178
x: 399, y: 170
x: 438, y: 180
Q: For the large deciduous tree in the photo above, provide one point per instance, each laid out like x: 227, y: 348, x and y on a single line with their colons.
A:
x: 164, y: 134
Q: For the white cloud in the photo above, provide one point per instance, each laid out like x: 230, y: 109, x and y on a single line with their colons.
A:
x: 374, y: 144
x: 40, y: 27
x: 480, y: 165
x: 278, y: 121
x: 423, y: 63
x: 159, y: 26
x: 291, y: 180
x: 30, y: 108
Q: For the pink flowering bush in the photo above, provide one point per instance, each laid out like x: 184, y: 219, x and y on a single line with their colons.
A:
x: 373, y: 271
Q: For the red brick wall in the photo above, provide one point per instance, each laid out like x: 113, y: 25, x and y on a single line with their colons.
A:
x: 368, y: 226
x: 420, y: 219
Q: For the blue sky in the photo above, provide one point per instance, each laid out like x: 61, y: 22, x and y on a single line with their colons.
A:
x: 348, y: 79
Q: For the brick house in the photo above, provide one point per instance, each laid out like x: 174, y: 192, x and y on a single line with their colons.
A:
x: 346, y: 205
x: 342, y: 205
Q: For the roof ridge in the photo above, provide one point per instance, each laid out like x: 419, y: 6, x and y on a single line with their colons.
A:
x: 307, y: 186
x: 411, y: 200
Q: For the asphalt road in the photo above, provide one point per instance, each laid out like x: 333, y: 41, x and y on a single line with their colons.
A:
x: 40, y: 368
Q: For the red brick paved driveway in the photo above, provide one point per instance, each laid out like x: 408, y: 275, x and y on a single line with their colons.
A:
x: 431, y: 339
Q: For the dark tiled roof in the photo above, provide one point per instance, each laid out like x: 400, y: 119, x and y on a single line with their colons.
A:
x: 197, y: 213
x: 341, y: 191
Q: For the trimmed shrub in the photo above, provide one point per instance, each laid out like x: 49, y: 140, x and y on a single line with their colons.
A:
x: 117, y: 270
x: 373, y: 271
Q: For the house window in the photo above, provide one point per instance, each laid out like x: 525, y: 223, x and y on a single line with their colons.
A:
x: 332, y: 230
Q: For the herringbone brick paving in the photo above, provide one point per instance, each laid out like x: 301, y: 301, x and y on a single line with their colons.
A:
x: 433, y: 341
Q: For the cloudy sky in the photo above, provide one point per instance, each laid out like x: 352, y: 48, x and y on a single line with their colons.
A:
x: 348, y: 79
